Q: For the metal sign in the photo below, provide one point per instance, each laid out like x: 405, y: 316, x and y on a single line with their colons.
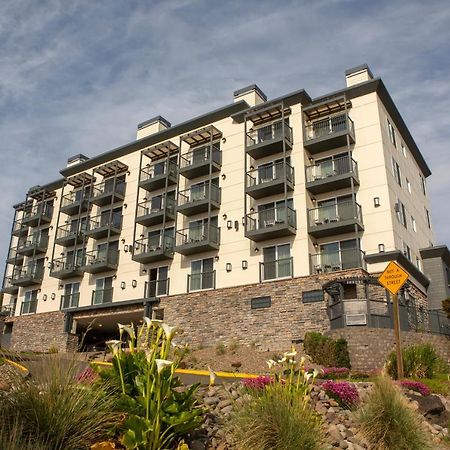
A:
x: 393, y: 277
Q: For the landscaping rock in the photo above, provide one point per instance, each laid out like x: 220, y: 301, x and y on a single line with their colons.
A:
x: 431, y: 404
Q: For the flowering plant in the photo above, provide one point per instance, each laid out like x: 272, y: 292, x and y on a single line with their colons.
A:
x: 86, y: 376
x: 335, y: 372
x: 257, y: 383
x: 343, y: 392
x: 416, y: 386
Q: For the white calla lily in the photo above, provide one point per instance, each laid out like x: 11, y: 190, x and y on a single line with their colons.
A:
x: 147, y: 321
x: 148, y: 354
x: 114, y: 345
x: 282, y: 360
x: 168, y: 330
x: 212, y: 377
x: 271, y: 363
x: 156, y: 322
x: 129, y: 329
x: 161, y: 364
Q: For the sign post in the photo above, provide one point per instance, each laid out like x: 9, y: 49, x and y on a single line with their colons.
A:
x: 392, y: 279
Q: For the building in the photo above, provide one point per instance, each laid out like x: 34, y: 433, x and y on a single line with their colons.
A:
x: 252, y: 221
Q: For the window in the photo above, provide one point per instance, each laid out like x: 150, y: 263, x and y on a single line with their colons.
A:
x: 275, y: 213
x: 202, y: 275
x: 427, y: 217
x: 335, y: 256
x: 312, y: 296
x: 423, y: 185
x: 277, y: 262
x: 406, y: 250
x: 261, y: 302
x: 273, y: 170
x: 403, y: 149
x: 396, y: 172
x: 334, y: 210
x: 391, y: 132
x: 103, y: 291
x: 158, y: 282
x: 408, y: 186
x: 29, y: 304
x: 199, y: 230
x: 413, y: 223
x: 401, y: 213
x: 71, y: 295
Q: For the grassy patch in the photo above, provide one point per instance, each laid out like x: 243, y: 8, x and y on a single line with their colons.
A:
x: 440, y: 384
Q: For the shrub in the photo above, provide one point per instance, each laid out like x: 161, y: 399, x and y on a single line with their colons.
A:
x: 446, y: 306
x: 416, y: 386
x: 344, y: 393
x: 327, y: 351
x: 220, y: 349
x: 419, y: 361
x: 257, y: 383
x: 335, y: 372
x: 388, y: 422
x: 52, y: 409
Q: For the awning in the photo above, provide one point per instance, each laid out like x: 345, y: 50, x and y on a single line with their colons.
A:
x: 161, y: 150
x: 266, y: 112
x: 82, y: 179
x: 326, y: 107
x: 202, y: 136
x: 112, y: 168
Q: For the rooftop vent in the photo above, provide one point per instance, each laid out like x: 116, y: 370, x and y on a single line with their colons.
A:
x: 77, y: 159
x: 152, y: 126
x: 358, y: 74
x: 252, y: 94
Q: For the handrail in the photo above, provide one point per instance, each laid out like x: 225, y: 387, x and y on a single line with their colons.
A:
x: 274, y: 171
x: 268, y: 133
x: 329, y: 125
x: 146, y: 207
x: 199, y: 192
x: 270, y: 217
x: 200, y: 233
x: 100, y: 296
x: 104, y: 220
x: 105, y: 187
x: 148, y: 172
x: 201, y: 155
x: 339, y: 260
x: 279, y: 268
x: 334, y: 213
x: 147, y: 245
x: 201, y: 280
x: 69, y: 300
x: 330, y: 168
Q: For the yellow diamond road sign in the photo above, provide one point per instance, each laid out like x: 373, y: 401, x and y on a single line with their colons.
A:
x: 393, y: 277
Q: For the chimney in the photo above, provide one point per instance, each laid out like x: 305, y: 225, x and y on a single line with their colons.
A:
x: 358, y: 74
x: 152, y: 126
x: 77, y: 159
x: 252, y: 94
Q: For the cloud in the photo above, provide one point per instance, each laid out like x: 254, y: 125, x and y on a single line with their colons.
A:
x: 77, y: 77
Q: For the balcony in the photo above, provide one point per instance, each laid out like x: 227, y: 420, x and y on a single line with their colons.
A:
x: 35, y: 245
x: 108, y: 192
x: 153, y: 211
x: 268, y: 140
x: 70, y: 301
x: 156, y: 288
x: 19, y: 229
x: 9, y: 287
x: 66, y: 267
x: 270, y: 180
x: 158, y: 175
x: 279, y: 268
x: 75, y: 202
x: 28, y: 276
x: 104, y: 225
x: 271, y: 223
x: 8, y: 310
x: 102, y: 296
x: 38, y: 215
x: 344, y: 217
x: 197, y: 239
x: 153, y: 249
x: 14, y: 257
x: 97, y: 261
x: 28, y: 307
x: 201, y: 161
x: 68, y: 235
x: 201, y: 281
x: 328, y: 133
x: 332, y: 175
x: 351, y: 258
x: 197, y: 199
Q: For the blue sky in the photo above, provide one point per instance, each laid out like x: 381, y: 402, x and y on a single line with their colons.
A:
x: 76, y: 76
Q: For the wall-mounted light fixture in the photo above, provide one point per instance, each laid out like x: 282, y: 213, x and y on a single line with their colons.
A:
x: 141, y: 236
x: 126, y: 248
x: 134, y: 283
x: 224, y: 140
x: 224, y: 216
x: 244, y: 264
x: 236, y: 225
x: 114, y: 277
x: 228, y: 267
x: 256, y: 249
x: 44, y: 297
x: 60, y: 286
x: 251, y: 167
x: 252, y: 210
x: 53, y: 296
x: 125, y: 206
x: 381, y: 248
x: 376, y: 202
x: 243, y: 221
x: 224, y: 177
x: 123, y: 241
x: 144, y: 270
x: 49, y: 265
x: 123, y: 285
x: 229, y: 224
x: 216, y: 258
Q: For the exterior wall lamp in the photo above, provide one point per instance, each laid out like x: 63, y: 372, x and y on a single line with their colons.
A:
x: 123, y: 285
x: 134, y: 283
x: 381, y: 248
x: 228, y: 267
x: 376, y: 202
x: 244, y: 264
x: 53, y: 296
x: 229, y: 224
x: 44, y: 297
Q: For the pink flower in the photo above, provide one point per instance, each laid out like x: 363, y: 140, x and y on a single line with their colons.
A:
x: 335, y: 372
x: 344, y: 393
x: 86, y: 376
x: 415, y: 386
x: 257, y: 383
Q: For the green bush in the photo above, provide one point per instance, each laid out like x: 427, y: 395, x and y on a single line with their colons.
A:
x: 419, y: 361
x: 388, y: 423
x: 327, y: 351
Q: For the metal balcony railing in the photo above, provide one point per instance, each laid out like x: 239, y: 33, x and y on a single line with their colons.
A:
x: 156, y: 288
x: 8, y: 310
x: 19, y: 228
x: 198, y: 193
x: 200, y: 156
x: 268, y: 173
x: 101, y: 257
x: 74, y: 197
x: 154, y: 244
x: 329, y: 126
x: 269, y: 133
x: 158, y: 169
x: 279, y: 268
x: 45, y: 211
x: 28, y: 307
x: 268, y: 218
x: 29, y: 272
x: 71, y: 230
x: 334, y: 214
x: 202, y: 280
x: 67, y: 263
x: 197, y: 234
x: 100, y: 296
x: 340, y: 260
x: 331, y: 168
x: 108, y: 187
x: 8, y: 284
x: 35, y: 240
x: 104, y: 221
x: 13, y: 255
x: 152, y: 206
x: 70, y: 300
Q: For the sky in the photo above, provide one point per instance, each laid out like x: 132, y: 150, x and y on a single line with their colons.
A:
x: 77, y: 76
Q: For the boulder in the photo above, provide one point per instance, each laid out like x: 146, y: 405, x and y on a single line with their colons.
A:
x: 431, y: 404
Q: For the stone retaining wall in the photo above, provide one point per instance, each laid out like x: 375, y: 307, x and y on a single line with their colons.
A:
x: 369, y: 347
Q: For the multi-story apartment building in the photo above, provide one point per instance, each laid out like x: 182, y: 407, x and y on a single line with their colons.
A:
x: 252, y: 222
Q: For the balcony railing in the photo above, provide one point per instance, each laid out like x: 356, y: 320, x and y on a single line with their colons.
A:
x: 75, y: 202
x: 66, y: 267
x: 8, y: 285
x: 27, y: 276
x: 33, y: 245
x: 100, y: 296
x: 70, y: 300
x: 19, y: 229
x: 325, y: 262
x: 156, y: 288
x: 197, y: 239
x: 332, y: 175
x: 100, y: 260
x: 70, y: 234
x: 39, y: 213
x: 154, y: 175
x: 267, y: 140
x: 100, y: 226
x: 197, y: 199
x: 270, y: 179
x: 202, y: 280
x: 333, y: 219
x: 270, y: 223
x: 279, y: 268
x: 8, y: 310
x: 108, y: 192
x: 152, y: 212
x: 329, y: 132
x: 197, y: 161
x: 28, y: 307
x: 13, y: 256
x: 155, y: 248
